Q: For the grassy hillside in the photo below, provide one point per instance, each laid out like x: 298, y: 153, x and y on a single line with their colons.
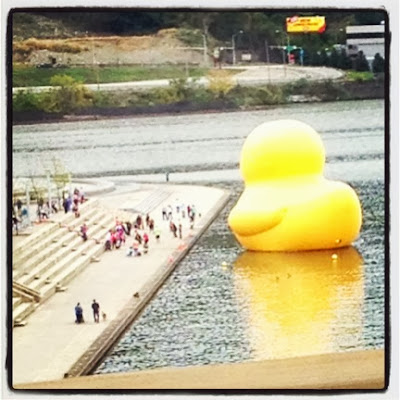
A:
x: 28, y: 25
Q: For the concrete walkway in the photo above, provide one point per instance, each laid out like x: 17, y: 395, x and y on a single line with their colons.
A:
x: 51, y: 343
x: 273, y: 73
x: 253, y: 75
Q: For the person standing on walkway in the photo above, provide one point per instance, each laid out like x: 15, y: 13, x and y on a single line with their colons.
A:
x: 173, y: 228
x: 96, y: 310
x: 180, y: 230
x: 169, y: 212
x: 79, y: 314
x: 67, y: 204
x: 217, y: 57
x: 151, y: 224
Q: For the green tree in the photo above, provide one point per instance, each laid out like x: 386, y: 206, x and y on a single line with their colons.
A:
x: 67, y: 95
x: 333, y: 59
x: 361, y: 63
x: 378, y: 65
x: 60, y: 176
x: 344, y: 61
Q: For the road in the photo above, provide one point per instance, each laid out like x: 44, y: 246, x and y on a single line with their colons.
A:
x: 252, y: 76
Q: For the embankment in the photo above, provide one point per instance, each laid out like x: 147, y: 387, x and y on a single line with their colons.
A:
x: 119, y: 105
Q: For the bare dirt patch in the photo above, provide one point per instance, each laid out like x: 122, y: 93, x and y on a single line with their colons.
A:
x: 160, y: 48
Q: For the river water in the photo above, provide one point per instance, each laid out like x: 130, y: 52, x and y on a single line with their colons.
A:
x: 222, y: 304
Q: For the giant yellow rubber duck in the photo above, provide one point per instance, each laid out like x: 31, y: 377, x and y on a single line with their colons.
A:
x: 287, y: 204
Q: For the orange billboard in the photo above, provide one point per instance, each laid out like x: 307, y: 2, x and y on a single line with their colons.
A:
x: 305, y: 24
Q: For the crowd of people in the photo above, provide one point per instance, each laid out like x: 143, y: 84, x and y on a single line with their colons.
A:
x: 143, y: 228
x: 44, y: 209
x: 140, y: 229
x: 176, y: 215
x: 20, y: 211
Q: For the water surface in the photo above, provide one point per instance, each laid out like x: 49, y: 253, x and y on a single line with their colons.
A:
x: 222, y: 304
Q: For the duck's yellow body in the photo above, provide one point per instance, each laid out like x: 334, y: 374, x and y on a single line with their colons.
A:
x: 287, y: 204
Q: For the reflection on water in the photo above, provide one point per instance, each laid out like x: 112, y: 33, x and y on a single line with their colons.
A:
x: 301, y: 303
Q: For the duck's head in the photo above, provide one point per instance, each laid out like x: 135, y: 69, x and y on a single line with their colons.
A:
x: 281, y: 149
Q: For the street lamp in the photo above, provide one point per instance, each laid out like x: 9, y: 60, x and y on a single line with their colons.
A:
x: 338, y: 36
x: 283, y: 52
x: 233, y: 46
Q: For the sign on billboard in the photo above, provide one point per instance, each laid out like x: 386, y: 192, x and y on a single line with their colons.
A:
x: 305, y: 24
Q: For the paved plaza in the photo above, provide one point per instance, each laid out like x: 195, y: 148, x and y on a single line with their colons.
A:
x: 51, y: 341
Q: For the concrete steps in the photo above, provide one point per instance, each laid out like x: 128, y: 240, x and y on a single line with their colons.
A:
x: 61, y: 217
x: 43, y: 256
x: 69, y: 248
x: 16, y: 301
x: 54, y: 243
x: 70, y: 271
x: 63, y: 256
x: 23, y: 310
x: 42, y: 239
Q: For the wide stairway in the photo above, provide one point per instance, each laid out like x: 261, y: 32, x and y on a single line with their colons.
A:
x: 46, y: 260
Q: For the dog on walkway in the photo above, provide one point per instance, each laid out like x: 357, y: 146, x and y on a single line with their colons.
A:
x: 104, y: 315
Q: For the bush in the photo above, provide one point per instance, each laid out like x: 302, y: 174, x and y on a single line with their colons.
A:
x: 220, y: 83
x: 179, y: 89
x: 67, y: 96
x: 296, y: 86
x: 26, y: 100
x: 249, y: 97
x: 358, y: 76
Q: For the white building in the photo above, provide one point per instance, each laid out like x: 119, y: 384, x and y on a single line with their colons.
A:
x: 370, y: 39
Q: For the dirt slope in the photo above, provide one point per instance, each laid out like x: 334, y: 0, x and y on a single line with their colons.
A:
x: 163, y: 47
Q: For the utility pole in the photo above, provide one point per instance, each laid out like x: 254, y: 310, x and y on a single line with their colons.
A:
x: 283, y: 52
x: 234, y: 47
x: 205, y: 50
x: 267, y: 57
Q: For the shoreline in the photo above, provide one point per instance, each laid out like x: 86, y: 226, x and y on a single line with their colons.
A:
x: 99, y: 117
x: 312, y: 93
